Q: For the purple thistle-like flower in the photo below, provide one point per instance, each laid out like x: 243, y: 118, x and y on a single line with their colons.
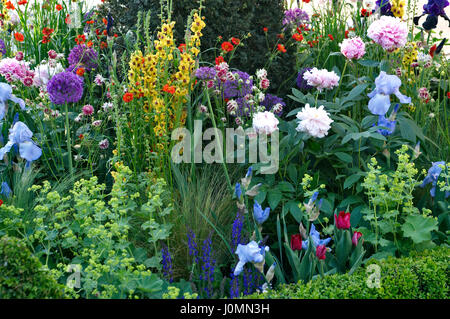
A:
x: 239, y: 87
x: 65, y: 87
x: 302, y: 83
x: 205, y: 73
x: 82, y: 56
x: 295, y: 16
x: 167, y: 264
x: 271, y: 100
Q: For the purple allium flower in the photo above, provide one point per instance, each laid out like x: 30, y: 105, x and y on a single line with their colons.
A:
x: 2, y: 47
x: 272, y: 103
x: 295, y: 16
x: 302, y: 83
x: 65, y: 87
x: 167, y: 263
x: 205, y: 73
x: 239, y: 87
x: 82, y: 56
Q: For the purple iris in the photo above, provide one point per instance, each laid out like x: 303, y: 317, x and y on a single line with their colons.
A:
x: 249, y: 253
x: 21, y: 135
x: 385, y: 85
x: 434, y: 9
x: 385, y: 7
x: 314, y: 234
x: 388, y: 123
x: 433, y: 176
x: 259, y: 214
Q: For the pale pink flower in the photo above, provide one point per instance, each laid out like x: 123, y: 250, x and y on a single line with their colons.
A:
x: 315, y: 122
x: 353, y: 48
x: 389, y: 32
x: 265, y: 122
x: 321, y: 79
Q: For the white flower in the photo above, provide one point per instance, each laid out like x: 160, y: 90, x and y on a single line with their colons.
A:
x: 261, y: 74
x: 107, y: 106
x: 265, y: 122
x: 314, y: 121
x: 99, y: 79
x: 261, y: 96
x: 44, y: 72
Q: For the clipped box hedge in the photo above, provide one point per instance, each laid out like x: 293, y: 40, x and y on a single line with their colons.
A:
x: 420, y: 276
x: 22, y: 275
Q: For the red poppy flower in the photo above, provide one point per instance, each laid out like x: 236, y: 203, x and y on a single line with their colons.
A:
x: 90, y: 44
x: 296, y: 242
x: 331, y: 37
x: 297, y: 37
x: 169, y: 89
x: 219, y: 60
x: 236, y: 41
x: 182, y: 47
x: 448, y: 95
x: 81, y: 136
x: 227, y: 46
x: 128, y: 97
x: 19, y: 37
x: 22, y: 2
x: 10, y: 6
x: 80, y: 39
x: 59, y: 7
x: 80, y: 71
x: 306, y: 1
x: 265, y: 29
x: 281, y: 48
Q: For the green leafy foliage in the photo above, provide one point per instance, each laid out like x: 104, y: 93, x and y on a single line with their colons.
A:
x: 22, y: 275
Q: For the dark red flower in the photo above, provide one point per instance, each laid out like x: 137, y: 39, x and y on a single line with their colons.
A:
x: 321, y: 251
x: 448, y: 95
x: 343, y: 220
x: 356, y: 236
x: 432, y: 50
x: 296, y: 242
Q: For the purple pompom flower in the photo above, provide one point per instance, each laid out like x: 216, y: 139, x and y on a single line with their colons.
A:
x: 82, y: 56
x: 65, y: 87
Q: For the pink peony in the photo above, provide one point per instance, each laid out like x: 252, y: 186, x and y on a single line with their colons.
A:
x: 321, y: 79
x: 353, y: 48
x: 14, y: 70
x: 389, y: 32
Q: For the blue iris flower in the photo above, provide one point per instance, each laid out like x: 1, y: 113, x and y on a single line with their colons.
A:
x: 260, y: 214
x: 433, y: 176
x: 388, y: 123
x: 249, y: 172
x: 6, y: 190
x: 21, y: 135
x: 249, y: 253
x: 314, y: 234
x: 385, y: 85
x: 5, y: 96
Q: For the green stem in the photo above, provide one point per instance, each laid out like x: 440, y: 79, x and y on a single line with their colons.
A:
x: 68, y: 140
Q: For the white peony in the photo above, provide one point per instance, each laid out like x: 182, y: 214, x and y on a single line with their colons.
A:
x: 45, y: 71
x: 265, y: 122
x: 314, y: 121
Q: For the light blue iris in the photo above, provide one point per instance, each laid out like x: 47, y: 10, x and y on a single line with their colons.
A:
x: 5, y: 190
x: 385, y: 85
x: 5, y: 96
x: 249, y: 253
x: 433, y: 176
x: 314, y: 234
x: 21, y: 135
x: 260, y: 214
x: 238, y: 191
